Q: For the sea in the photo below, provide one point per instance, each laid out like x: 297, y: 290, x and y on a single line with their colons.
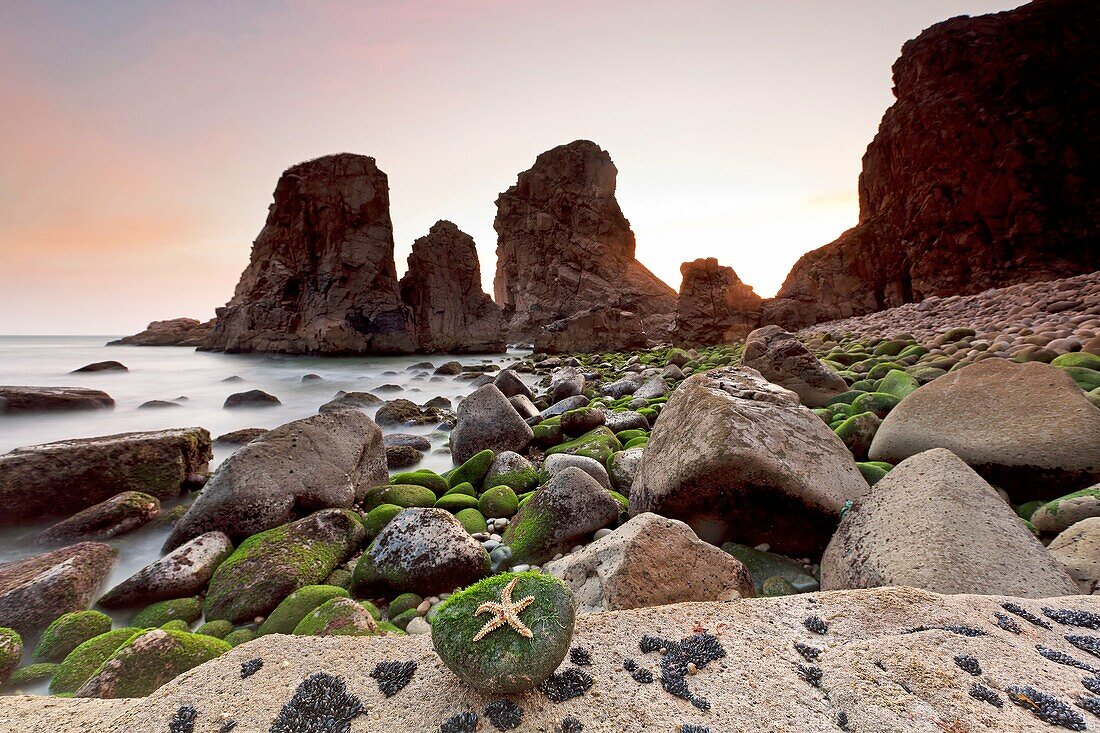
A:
x: 196, y: 382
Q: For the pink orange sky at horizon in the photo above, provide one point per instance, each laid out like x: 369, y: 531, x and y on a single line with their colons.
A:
x: 142, y: 141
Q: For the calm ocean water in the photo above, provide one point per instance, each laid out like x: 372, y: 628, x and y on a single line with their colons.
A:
x: 168, y: 373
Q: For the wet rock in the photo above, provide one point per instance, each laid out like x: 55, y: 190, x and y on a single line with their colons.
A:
x: 407, y: 412
x: 402, y: 456
x: 240, y: 437
x: 649, y: 561
x: 328, y: 460
x: 36, y: 590
x: 269, y: 566
x: 566, y: 382
x: 321, y: 279
x: 353, y: 400
x: 173, y: 332
x: 27, y: 400
x: 764, y: 566
x: 487, y: 421
x: 120, y: 514
x: 783, y: 360
x: 442, y: 289
x: 184, y: 571
x: 149, y: 660
x: 338, y: 617
x: 251, y: 398
x: 64, y: 477
x: 567, y: 509
x: 1077, y: 549
x: 622, y: 467
x: 714, y: 306
x: 555, y: 464
x: 564, y: 246
x: 524, y: 406
x: 419, y: 442
x: 739, y: 459
x: 67, y: 632
x: 510, y: 385
x: 11, y: 652
x: 512, y: 470
x: 989, y: 414
x: 102, y: 366
x: 421, y: 550
x: 1060, y: 514
x: 933, y: 523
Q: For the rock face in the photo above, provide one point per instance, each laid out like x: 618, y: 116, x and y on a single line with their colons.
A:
x: 36, y: 590
x: 321, y: 279
x: 593, y: 329
x: 933, y: 523
x: 977, y: 177
x: 783, y: 360
x: 909, y: 632
x: 714, y: 306
x: 320, y: 462
x: 174, y: 332
x: 1027, y: 428
x: 739, y: 459
x: 183, y: 572
x: 649, y: 561
x: 24, y: 400
x: 64, y: 477
x: 564, y: 246
x: 442, y: 289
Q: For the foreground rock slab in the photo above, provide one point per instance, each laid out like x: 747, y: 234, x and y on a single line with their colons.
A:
x: 887, y: 662
x: 36, y: 590
x: 1027, y: 428
x: 59, y: 479
x: 933, y: 523
x: 24, y: 400
x: 739, y: 459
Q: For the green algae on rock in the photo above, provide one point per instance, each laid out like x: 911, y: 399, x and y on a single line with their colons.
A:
x: 504, y: 660
x: 11, y: 651
x: 160, y: 613
x: 499, y: 501
x: 338, y: 616
x: 82, y: 662
x: 31, y: 674
x: 473, y: 470
x: 67, y: 632
x: 424, y: 477
x: 290, y: 612
x: 149, y: 659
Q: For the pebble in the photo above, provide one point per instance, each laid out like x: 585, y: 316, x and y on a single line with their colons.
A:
x: 522, y: 567
x: 480, y: 536
x: 490, y: 545
x: 601, y: 533
x: 418, y: 626
x: 764, y: 547
x: 423, y: 608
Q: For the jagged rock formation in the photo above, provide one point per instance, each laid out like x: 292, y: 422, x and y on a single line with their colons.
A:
x: 173, y: 332
x: 979, y: 174
x: 593, y: 329
x: 714, y: 306
x: 564, y: 246
x: 442, y: 288
x: 321, y: 279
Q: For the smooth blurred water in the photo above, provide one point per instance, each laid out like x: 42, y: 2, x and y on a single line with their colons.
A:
x: 169, y: 373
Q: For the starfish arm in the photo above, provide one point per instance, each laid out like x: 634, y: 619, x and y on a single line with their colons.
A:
x: 490, y: 626
x: 522, y: 604
x: 489, y: 607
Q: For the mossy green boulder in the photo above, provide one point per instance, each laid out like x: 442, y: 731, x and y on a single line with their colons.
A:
x: 897, y: 383
x: 217, y: 629
x: 148, y: 660
x: 472, y: 520
x: 499, y: 501
x: 463, y: 488
x: 427, y: 479
x: 1078, y: 359
x: 505, y: 660
x: 378, y: 518
x: 1065, y: 511
x: 513, y: 470
x: 82, y: 662
x: 857, y: 432
x: 764, y: 565
x: 880, y: 403
x: 32, y: 674
x: 339, y: 577
x: 236, y: 637
x: 402, y: 495
x: 776, y: 586
x: 11, y: 651
x: 269, y: 566
x: 873, y: 471
x: 473, y: 470
x: 160, y: 613
x: 338, y: 617
x: 1087, y: 379
x: 598, y: 443
x: 1028, y: 509
x: 455, y: 503
x: 67, y: 632
x: 402, y: 603
x: 290, y: 612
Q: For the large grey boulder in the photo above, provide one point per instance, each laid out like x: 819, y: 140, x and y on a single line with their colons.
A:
x: 36, y: 590
x: 649, y: 561
x: 421, y: 550
x: 739, y: 459
x: 569, y: 508
x: 59, y: 479
x: 25, y: 400
x: 1027, y: 428
x: 782, y: 359
x: 319, y: 462
x: 487, y: 420
x: 185, y: 571
x: 933, y: 523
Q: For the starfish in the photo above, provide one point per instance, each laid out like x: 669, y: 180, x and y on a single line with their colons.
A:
x: 505, y: 612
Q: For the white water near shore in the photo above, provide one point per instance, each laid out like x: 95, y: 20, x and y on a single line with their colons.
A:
x: 167, y: 373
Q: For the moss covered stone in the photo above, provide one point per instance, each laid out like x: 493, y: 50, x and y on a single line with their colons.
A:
x: 338, y: 617
x: 776, y: 586
x: 857, y: 432
x: 67, y: 632
x: 427, y: 479
x: 463, y: 488
x: 641, y: 440
x: 872, y: 472
x: 402, y: 619
x: 1028, y: 509
x: 403, y: 495
x: 473, y: 470
x: 378, y: 518
x: 217, y: 629
x: 548, y: 434
x: 897, y: 383
x: 880, y: 403
x: 625, y: 436
x: 499, y: 501
x: 148, y: 660
x: 402, y: 603
x: 11, y: 651
x: 339, y: 577
x: 187, y: 610
x: 290, y: 612
x: 32, y: 674
x: 623, y: 501
x: 598, y: 443
x: 1087, y: 379
x: 1078, y: 359
x: 512, y: 470
x: 472, y: 520
x: 504, y: 661
x: 236, y: 637
x: 269, y: 566
x: 82, y: 662
x: 455, y: 503
x: 763, y: 565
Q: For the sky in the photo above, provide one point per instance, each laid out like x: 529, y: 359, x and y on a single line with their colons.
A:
x: 140, y: 142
